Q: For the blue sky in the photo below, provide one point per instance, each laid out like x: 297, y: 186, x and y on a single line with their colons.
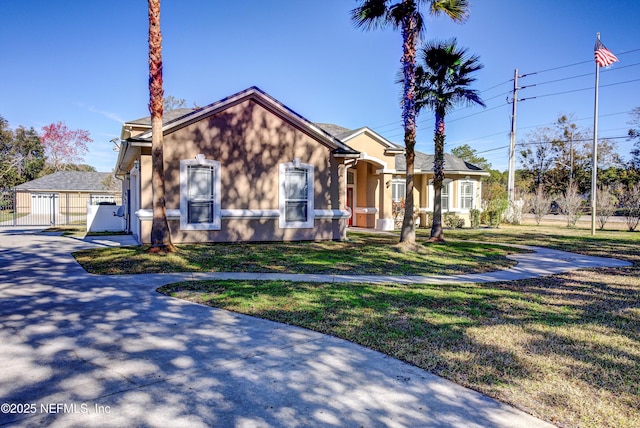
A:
x: 85, y: 63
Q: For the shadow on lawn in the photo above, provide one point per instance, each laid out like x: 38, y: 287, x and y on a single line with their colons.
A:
x: 490, y: 337
x: 72, y: 338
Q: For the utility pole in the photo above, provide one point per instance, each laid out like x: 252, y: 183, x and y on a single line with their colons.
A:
x: 512, y: 146
x: 511, y: 185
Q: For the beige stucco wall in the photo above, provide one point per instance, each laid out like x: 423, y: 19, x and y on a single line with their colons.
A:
x: 250, y: 142
x: 370, y: 148
x: 371, y: 190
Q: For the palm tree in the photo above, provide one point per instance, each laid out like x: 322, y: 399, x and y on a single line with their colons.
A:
x: 406, y: 16
x: 443, y: 81
x: 160, y: 234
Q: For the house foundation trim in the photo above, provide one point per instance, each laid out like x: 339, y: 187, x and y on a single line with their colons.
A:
x: 365, y: 210
x: 228, y: 214
x: 385, y: 224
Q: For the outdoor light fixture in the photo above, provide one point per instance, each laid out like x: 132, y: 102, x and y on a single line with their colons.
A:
x: 200, y: 158
x: 296, y: 162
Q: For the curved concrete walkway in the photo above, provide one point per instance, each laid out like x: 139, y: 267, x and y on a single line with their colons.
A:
x: 88, y: 350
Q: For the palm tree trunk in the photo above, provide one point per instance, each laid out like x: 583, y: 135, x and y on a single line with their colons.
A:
x: 160, y: 234
x: 409, y: 38
x: 438, y: 178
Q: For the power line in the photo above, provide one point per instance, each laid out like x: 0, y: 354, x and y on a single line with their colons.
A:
x: 574, y: 64
x: 586, y: 89
x: 585, y: 74
x: 398, y: 122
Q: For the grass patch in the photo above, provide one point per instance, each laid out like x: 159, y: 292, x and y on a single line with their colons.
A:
x: 373, y: 254
x: 565, y: 348
x: 8, y: 215
x: 78, y: 231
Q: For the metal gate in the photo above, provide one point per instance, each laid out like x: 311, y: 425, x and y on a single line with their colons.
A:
x: 42, y: 208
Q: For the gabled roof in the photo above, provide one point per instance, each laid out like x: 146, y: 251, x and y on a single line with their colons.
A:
x: 180, y: 118
x: 266, y: 101
x: 76, y: 181
x: 452, y: 164
x: 345, y: 134
x: 335, y: 130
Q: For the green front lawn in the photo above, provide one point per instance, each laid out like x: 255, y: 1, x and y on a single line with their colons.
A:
x: 564, y: 348
x: 372, y: 254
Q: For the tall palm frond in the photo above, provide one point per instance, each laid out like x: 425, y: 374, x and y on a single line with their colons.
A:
x: 443, y: 81
x: 405, y: 15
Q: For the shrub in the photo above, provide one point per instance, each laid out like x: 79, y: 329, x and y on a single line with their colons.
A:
x: 606, y: 203
x: 428, y: 220
x: 452, y: 221
x: 474, y: 217
x: 494, y: 211
x: 540, y: 204
x: 631, y: 206
x: 514, y: 211
x: 495, y: 218
x: 571, y: 204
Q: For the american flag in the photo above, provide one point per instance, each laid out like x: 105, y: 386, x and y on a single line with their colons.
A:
x: 603, y: 55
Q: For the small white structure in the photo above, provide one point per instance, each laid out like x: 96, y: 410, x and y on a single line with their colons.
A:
x: 105, y: 218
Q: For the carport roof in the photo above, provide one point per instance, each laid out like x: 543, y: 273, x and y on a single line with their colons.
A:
x: 77, y: 181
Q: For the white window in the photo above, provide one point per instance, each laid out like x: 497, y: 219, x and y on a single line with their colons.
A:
x: 200, y: 194
x: 466, y: 195
x: 296, y: 195
x: 351, y: 177
x: 398, y: 189
x: 444, y: 197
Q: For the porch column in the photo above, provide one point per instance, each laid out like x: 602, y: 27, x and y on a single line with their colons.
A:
x: 385, y: 214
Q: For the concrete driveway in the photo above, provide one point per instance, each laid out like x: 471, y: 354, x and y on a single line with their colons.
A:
x: 85, y: 350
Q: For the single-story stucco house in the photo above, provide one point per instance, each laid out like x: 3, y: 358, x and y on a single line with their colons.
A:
x: 245, y: 168
x: 66, y: 193
x: 248, y: 168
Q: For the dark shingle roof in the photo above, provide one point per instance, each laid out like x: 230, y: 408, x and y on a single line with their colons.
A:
x: 79, y: 181
x: 167, y: 116
x: 335, y: 130
x: 424, y: 162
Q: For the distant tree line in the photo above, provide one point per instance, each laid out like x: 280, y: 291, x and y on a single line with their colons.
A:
x: 559, y: 156
x: 26, y: 154
x: 555, y: 174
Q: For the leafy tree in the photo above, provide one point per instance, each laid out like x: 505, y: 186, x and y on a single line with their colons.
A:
x: 160, y: 234
x: 469, y: 154
x: 443, y: 80
x: 21, y: 155
x: 171, y: 103
x: 537, y: 158
x: 634, y: 134
x: 81, y: 167
x: 560, y: 155
x: 30, y: 152
x: 405, y: 15
x: 64, y: 146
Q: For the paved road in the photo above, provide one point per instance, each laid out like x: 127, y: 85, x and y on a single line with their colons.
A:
x: 86, y: 350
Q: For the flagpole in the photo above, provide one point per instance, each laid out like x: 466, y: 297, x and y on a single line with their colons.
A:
x: 594, y: 170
